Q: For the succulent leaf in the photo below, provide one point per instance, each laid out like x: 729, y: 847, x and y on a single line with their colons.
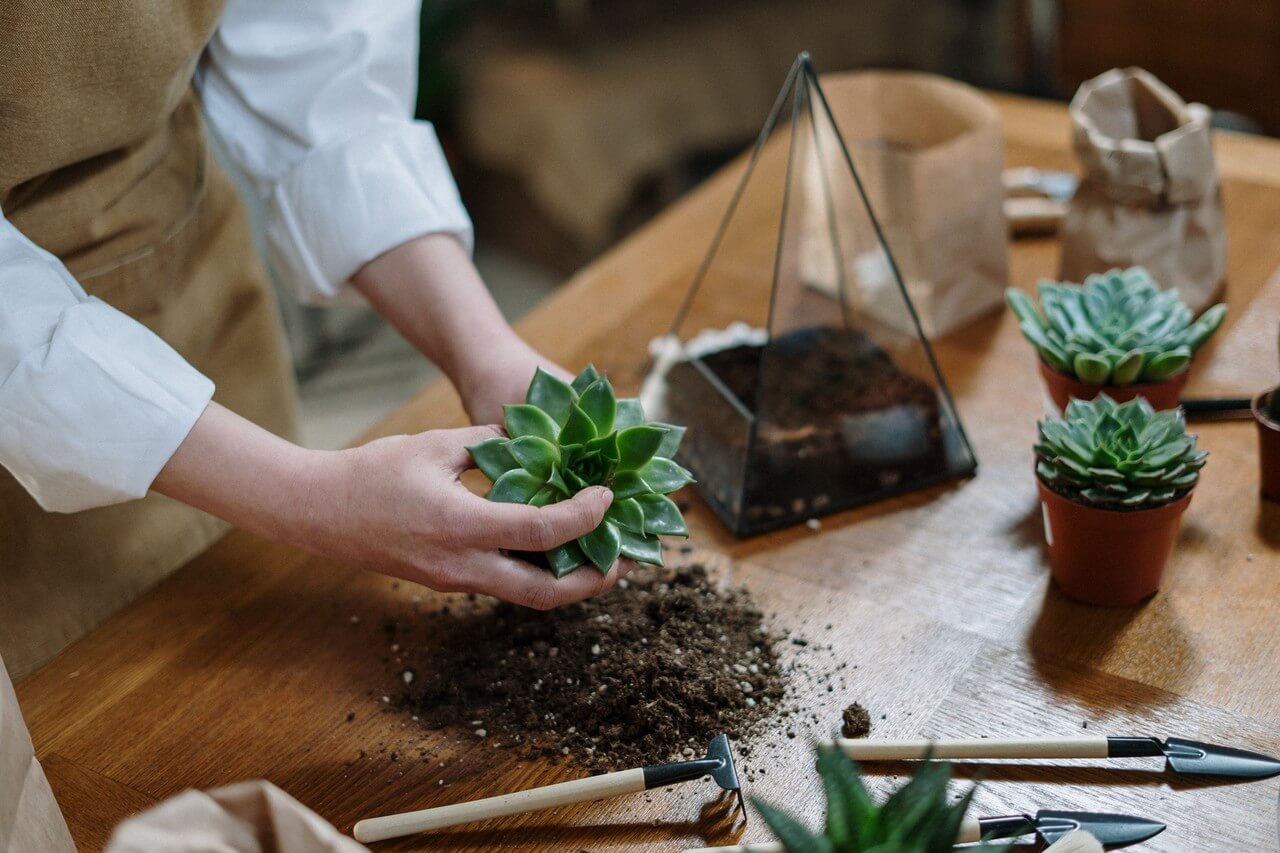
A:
x: 492, y: 457
x: 1118, y: 455
x: 552, y: 395
x: 526, y: 419
x: 1117, y: 328
x: 602, y: 546
x: 637, y: 445
x: 600, y: 405
x: 566, y: 438
x: 515, y: 487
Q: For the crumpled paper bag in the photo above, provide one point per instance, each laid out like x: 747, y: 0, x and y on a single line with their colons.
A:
x: 29, y: 815
x: 247, y: 817
x: 1150, y: 195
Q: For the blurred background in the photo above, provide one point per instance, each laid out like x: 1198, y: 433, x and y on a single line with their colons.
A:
x: 569, y: 123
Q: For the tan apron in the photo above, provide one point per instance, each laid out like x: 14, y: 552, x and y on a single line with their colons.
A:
x: 104, y: 163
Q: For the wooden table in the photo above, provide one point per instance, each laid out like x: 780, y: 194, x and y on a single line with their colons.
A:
x: 246, y: 663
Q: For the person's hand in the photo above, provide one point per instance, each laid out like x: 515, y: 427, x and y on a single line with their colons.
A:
x: 397, y: 506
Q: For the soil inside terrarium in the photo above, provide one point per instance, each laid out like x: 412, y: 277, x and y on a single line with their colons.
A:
x: 839, y: 423
x: 645, y: 673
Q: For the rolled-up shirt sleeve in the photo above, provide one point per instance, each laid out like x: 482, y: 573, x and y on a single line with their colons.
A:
x: 313, y: 102
x: 92, y: 403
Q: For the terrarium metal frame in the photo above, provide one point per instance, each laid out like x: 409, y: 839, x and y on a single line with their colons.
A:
x: 802, y: 80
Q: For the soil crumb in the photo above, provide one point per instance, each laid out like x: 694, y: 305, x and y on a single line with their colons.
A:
x: 648, y: 672
x: 856, y: 721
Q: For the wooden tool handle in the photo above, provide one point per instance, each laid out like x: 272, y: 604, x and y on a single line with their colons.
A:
x: 535, y: 799
x: 1088, y: 746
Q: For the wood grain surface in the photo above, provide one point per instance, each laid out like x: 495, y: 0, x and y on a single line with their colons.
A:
x: 248, y: 662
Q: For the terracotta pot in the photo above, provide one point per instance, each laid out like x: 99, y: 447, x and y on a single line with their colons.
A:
x: 1106, y: 556
x: 1161, y: 395
x: 1268, y: 447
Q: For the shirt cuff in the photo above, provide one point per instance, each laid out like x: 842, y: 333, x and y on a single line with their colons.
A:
x: 91, y: 417
x: 346, y: 203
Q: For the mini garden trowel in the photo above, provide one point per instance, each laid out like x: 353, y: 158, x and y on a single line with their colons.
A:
x: 1113, y: 831
x: 1184, y: 756
x: 718, y: 765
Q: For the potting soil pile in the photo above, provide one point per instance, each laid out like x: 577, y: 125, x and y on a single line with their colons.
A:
x: 648, y: 672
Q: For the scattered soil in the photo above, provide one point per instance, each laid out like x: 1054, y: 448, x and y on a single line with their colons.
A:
x: 839, y: 424
x: 646, y: 673
x: 856, y: 721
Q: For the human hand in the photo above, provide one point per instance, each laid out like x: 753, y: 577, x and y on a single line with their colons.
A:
x: 502, y: 377
x: 397, y: 506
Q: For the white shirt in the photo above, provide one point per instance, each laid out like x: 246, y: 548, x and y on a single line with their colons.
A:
x: 313, y: 102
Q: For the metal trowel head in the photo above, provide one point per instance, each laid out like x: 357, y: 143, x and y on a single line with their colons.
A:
x: 718, y: 765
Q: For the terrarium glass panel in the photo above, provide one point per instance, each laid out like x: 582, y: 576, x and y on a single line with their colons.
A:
x: 796, y: 360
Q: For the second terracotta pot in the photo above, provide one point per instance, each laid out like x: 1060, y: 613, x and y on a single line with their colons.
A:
x: 1161, y: 395
x: 1109, y: 557
x: 1268, y: 447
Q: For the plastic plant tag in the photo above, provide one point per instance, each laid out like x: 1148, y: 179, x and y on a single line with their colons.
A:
x: 801, y: 400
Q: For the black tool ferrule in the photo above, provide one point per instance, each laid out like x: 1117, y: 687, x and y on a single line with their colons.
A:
x: 679, y: 771
x: 1134, y: 747
x: 1006, y: 827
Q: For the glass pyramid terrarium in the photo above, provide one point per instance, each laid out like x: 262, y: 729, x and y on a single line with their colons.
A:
x: 796, y: 359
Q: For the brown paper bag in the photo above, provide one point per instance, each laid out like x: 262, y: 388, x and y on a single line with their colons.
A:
x: 929, y: 152
x: 248, y: 817
x: 29, y: 816
x: 1150, y: 194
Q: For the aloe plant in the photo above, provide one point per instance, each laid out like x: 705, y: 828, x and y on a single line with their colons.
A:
x: 1118, y: 455
x: 1118, y: 328
x: 917, y: 818
x: 566, y: 437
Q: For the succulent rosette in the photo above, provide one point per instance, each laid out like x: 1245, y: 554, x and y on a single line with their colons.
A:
x: 1118, y: 455
x: 567, y: 437
x: 1118, y: 328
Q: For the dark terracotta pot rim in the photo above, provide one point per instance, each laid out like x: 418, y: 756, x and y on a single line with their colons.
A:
x: 1069, y: 377
x: 1114, y: 519
x: 1261, y: 417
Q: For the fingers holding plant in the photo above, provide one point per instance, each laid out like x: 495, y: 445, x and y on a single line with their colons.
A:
x: 570, y: 437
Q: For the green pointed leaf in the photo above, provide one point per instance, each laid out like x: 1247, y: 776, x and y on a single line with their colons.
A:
x: 492, y: 457
x: 556, y: 481
x: 849, y: 806
x: 637, y: 445
x: 626, y: 514
x: 662, y: 516
x: 670, y: 441
x: 794, y: 836
x: 602, y: 546
x: 579, y: 428
x: 665, y: 476
x: 1127, y: 368
x: 627, y: 484
x: 1022, y: 305
x: 524, y: 419
x: 1167, y: 364
x: 600, y: 404
x: 641, y: 548
x: 630, y: 413
x: 515, y: 487
x: 585, y: 378
x: 565, y: 558
x: 1091, y: 369
x: 544, y: 496
x: 1201, y: 330
x: 552, y: 395
x: 536, y: 455
x: 606, y: 446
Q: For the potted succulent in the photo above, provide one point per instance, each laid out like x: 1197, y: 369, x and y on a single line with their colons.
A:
x: 919, y: 817
x: 566, y: 437
x: 1114, y: 480
x: 1118, y: 332
x: 1266, y: 411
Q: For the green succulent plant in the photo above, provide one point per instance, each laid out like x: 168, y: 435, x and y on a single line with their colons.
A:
x: 1115, y: 329
x: 917, y: 818
x: 566, y: 437
x: 1118, y: 455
